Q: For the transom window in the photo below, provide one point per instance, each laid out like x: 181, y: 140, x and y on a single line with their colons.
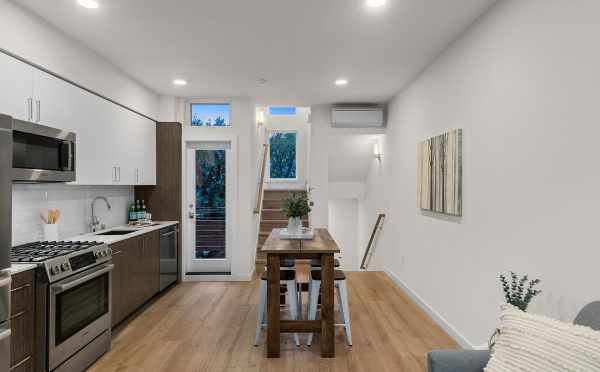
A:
x: 210, y: 114
x: 282, y: 110
x: 282, y: 156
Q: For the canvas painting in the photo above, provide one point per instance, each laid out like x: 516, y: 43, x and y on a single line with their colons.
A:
x: 439, y: 173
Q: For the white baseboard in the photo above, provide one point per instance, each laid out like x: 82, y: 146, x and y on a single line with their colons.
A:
x: 218, y: 278
x: 439, y: 319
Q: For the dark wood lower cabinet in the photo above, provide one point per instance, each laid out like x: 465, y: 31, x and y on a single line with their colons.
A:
x: 136, y: 275
x: 22, y: 321
x: 118, y: 259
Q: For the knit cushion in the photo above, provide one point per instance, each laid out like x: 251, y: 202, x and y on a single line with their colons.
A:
x: 530, y: 342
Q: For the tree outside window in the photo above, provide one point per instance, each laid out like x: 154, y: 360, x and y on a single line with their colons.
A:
x: 282, y: 155
x: 210, y: 114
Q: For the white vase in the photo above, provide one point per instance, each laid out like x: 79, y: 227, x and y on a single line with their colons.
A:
x: 294, y: 225
x: 51, y: 232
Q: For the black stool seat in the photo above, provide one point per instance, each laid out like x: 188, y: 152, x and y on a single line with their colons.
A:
x: 337, y: 275
x: 283, y: 275
x: 316, y: 262
x: 287, y: 262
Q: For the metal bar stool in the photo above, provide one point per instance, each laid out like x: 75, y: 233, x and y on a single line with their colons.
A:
x: 314, y: 288
x: 287, y: 278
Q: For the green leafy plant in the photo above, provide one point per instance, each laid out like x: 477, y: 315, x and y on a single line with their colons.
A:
x: 519, y: 291
x: 297, y: 205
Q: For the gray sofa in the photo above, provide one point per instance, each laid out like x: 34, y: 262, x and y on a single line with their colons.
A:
x: 476, y: 360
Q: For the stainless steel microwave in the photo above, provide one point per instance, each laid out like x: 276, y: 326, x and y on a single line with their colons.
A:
x: 42, y: 154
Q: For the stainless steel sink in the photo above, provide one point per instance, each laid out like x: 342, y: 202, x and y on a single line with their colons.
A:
x: 117, y: 232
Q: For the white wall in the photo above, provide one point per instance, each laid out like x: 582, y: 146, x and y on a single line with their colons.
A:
x: 343, y: 226
x: 242, y: 130
x: 523, y: 84
x: 299, y: 124
x: 318, y: 164
x: 347, y: 190
x: 74, y: 202
x: 30, y: 37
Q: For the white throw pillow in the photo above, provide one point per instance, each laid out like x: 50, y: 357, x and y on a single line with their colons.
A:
x: 529, y: 342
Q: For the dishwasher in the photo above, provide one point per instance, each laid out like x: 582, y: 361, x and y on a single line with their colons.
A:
x: 168, y: 257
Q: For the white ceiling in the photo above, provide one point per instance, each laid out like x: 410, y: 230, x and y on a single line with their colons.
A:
x: 222, y: 47
x: 350, y: 156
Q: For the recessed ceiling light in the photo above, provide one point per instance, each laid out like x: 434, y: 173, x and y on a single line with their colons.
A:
x: 375, y: 3
x: 179, y: 82
x: 90, y: 4
x: 341, y: 82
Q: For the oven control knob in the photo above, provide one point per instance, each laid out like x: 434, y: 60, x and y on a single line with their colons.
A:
x: 103, y: 253
x: 97, y: 254
x: 64, y: 267
x: 54, y: 270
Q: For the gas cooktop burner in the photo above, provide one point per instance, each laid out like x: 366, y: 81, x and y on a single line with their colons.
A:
x: 62, y: 259
x: 42, y: 251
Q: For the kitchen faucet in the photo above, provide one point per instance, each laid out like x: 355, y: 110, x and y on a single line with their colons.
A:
x: 95, y: 219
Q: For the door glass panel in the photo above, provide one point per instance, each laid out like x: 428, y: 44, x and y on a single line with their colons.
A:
x: 210, y: 204
x: 282, y: 155
x: 78, y: 307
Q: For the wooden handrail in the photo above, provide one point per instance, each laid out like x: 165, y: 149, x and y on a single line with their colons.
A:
x: 261, y: 183
x: 378, y: 225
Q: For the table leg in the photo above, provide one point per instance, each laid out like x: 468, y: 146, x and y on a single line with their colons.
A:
x: 327, y: 315
x: 273, y: 314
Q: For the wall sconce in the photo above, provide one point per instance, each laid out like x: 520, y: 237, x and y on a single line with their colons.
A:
x: 376, y: 151
x: 260, y: 118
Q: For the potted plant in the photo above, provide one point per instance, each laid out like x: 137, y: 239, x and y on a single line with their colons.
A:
x: 296, y: 206
x: 518, y: 292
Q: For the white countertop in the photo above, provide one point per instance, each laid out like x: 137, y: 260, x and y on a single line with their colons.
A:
x: 111, y: 239
x: 20, y: 267
x: 16, y: 268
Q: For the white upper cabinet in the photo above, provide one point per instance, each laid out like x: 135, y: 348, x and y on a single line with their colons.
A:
x: 114, y: 146
x: 16, y: 88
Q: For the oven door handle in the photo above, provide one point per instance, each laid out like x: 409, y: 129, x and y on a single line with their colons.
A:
x: 65, y: 287
x: 168, y: 234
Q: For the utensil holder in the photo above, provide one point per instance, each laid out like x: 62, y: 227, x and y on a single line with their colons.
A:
x: 51, y: 232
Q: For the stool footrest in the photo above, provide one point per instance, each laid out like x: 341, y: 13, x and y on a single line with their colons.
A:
x: 300, y: 326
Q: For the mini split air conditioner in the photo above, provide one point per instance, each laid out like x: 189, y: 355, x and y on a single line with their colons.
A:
x: 357, y: 117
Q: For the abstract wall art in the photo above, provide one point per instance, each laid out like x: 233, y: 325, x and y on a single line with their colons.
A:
x: 439, y: 173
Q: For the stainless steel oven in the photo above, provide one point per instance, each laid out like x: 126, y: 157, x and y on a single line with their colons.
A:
x: 79, y: 318
x: 42, y: 154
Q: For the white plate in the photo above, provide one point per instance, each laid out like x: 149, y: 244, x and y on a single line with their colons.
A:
x: 306, y: 234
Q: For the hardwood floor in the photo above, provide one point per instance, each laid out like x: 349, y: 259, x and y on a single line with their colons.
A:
x: 210, y: 327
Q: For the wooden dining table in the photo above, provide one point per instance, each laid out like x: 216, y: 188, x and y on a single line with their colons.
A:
x: 322, y: 247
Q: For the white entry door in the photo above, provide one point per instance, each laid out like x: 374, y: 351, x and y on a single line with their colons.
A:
x: 209, y: 207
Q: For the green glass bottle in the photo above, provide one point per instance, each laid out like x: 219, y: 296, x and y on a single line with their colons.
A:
x: 132, y: 214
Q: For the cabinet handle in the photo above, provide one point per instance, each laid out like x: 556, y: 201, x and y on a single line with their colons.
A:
x: 114, y: 174
x: 20, y: 288
x: 17, y: 315
x: 29, y: 108
x: 116, y: 253
x: 119, y: 168
x: 38, y: 106
x: 20, y: 363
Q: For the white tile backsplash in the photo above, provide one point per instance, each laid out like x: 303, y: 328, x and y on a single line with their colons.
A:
x: 74, y: 203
